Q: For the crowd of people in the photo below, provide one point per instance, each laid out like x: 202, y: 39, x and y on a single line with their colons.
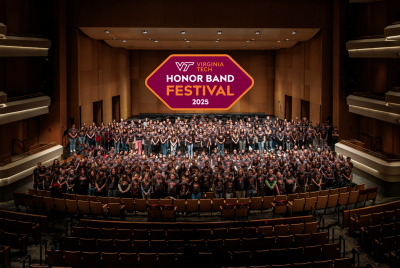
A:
x: 186, y: 158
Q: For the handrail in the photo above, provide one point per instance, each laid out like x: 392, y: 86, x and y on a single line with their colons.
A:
x: 369, y: 95
x: 380, y: 143
x: 24, y: 97
x: 46, y: 145
x: 384, y: 158
x: 12, y: 145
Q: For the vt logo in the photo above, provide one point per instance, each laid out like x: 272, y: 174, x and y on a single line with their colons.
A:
x: 183, y: 66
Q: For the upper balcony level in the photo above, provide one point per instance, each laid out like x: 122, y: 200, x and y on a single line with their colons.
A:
x: 22, y: 107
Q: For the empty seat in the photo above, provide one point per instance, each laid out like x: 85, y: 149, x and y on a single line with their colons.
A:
x: 91, y: 259
x: 123, y: 246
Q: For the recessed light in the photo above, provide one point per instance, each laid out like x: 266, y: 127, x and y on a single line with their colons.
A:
x: 215, y: 47
x: 272, y: 47
x: 184, y: 39
x: 244, y: 47
x: 187, y: 41
x: 219, y: 32
x: 149, y: 39
x: 278, y: 41
x: 183, y: 32
x: 287, y: 40
x: 247, y: 41
x: 114, y: 38
x: 257, y: 32
x: 294, y: 32
x: 216, y: 41
x: 144, y: 31
x: 253, y: 39
x: 156, y: 41
x: 124, y: 41
x: 107, y: 31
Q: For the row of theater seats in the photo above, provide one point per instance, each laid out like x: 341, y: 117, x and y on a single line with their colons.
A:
x: 206, y: 233
x: 278, y: 258
x: 308, y: 241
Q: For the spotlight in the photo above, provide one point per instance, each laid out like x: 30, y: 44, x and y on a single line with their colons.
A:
x: 124, y: 41
x: 253, y: 39
x: 107, y: 31
x: 219, y: 32
x: 216, y: 41
x: 145, y: 32
x: 114, y: 38
x: 184, y: 39
x: 257, y: 32
x: 272, y: 47
x: 247, y: 41
x: 294, y: 32
x: 287, y: 40
x: 187, y: 41
x: 279, y: 41
x: 244, y: 47
x: 183, y: 32
x: 149, y: 39
x: 156, y: 41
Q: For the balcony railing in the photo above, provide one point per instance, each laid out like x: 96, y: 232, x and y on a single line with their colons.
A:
x: 24, y: 97
x: 41, y: 146
x: 383, y: 156
x: 370, y: 95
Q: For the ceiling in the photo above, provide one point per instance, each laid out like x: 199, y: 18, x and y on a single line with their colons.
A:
x: 201, y: 38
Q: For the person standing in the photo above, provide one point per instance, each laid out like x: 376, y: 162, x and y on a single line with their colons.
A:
x: 81, y: 137
x: 113, y: 184
x: 72, y: 136
x: 189, y: 144
x: 147, y: 143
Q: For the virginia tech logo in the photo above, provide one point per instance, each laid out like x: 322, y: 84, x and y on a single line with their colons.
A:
x: 183, y: 66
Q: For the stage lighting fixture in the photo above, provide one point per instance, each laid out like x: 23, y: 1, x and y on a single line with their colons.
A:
x: 187, y: 41
x: 257, y: 32
x: 219, y: 32
x: 278, y: 41
x: 183, y: 32
x: 216, y: 41
x: 184, y: 39
x: 114, y: 38
x: 247, y: 41
x: 294, y: 32
x: 287, y: 39
x: 253, y: 39
x: 124, y: 41
x: 156, y: 41
x: 145, y: 32
x: 107, y: 31
x: 149, y: 39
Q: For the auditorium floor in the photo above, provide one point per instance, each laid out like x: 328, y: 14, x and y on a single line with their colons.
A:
x: 330, y: 220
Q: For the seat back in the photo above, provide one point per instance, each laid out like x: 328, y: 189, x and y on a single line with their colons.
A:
x: 84, y: 206
x: 332, y: 200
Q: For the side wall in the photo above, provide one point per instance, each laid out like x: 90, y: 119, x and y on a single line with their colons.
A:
x: 259, y: 64
x: 304, y: 73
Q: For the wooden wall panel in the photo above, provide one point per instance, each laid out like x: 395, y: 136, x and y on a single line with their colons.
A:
x: 259, y: 64
x: 304, y: 73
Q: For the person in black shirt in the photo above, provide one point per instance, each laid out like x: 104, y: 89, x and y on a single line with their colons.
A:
x: 301, y: 180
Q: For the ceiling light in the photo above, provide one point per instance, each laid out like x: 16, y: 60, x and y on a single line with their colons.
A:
x: 149, y: 39
x: 184, y: 39
x: 107, y: 31
x: 219, y: 32
x: 124, y: 41
x: 272, y: 47
x: 294, y: 32
x: 183, y: 32
x: 253, y: 39
x: 244, y: 47
x: 215, y: 47
x: 114, y: 38
x: 216, y: 41
x: 187, y: 41
x: 156, y: 41
x: 257, y: 32
x: 144, y: 31
x: 278, y: 41
x: 287, y: 40
x: 247, y: 41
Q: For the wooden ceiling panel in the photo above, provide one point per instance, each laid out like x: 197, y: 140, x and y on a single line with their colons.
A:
x: 200, y: 38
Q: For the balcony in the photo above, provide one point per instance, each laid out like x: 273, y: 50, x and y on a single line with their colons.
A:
x: 385, y: 107
x: 22, y: 107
